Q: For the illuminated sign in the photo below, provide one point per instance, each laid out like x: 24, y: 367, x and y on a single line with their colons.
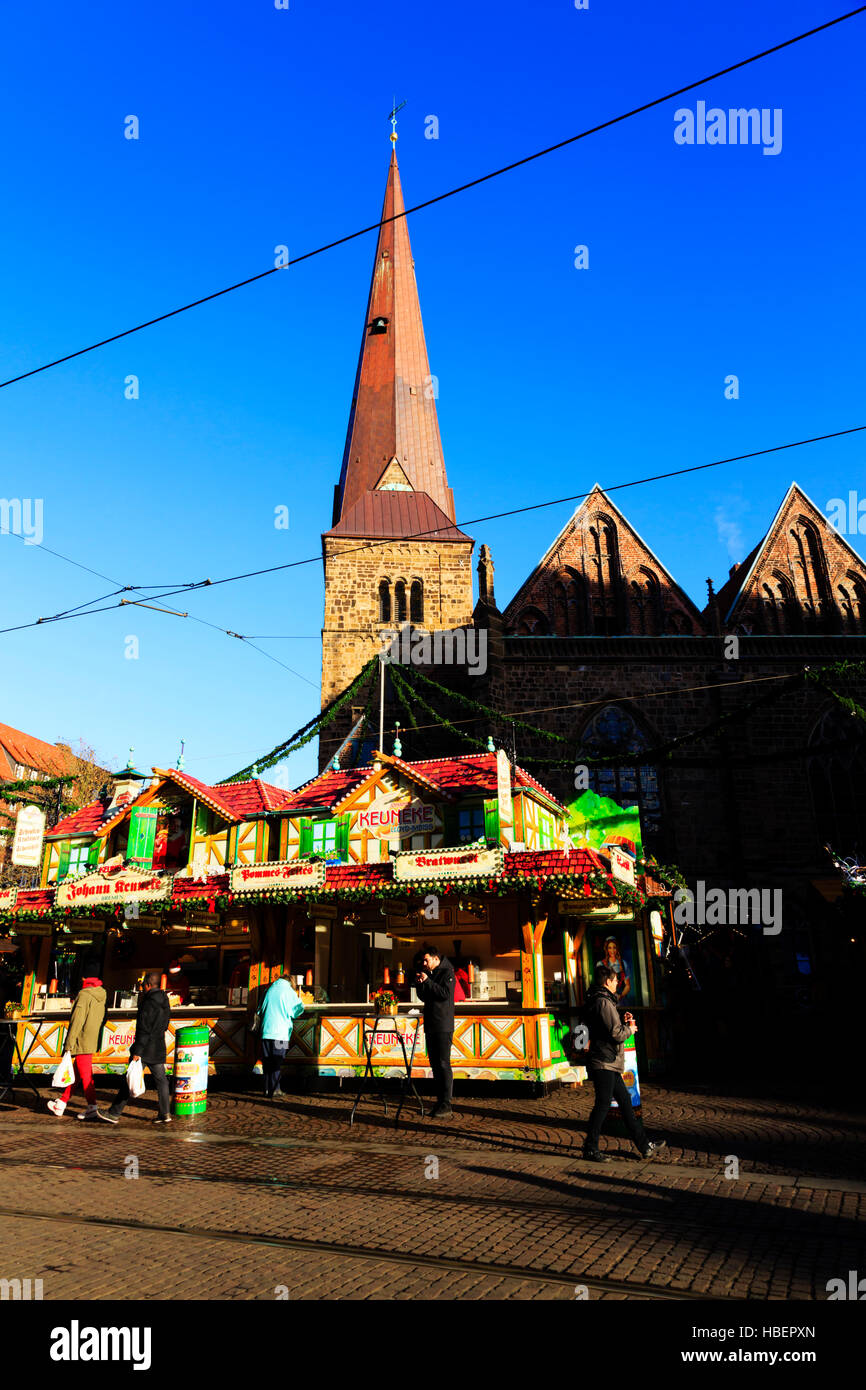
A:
x: 447, y: 863
x: 396, y: 818
x: 281, y: 874
x: 127, y: 886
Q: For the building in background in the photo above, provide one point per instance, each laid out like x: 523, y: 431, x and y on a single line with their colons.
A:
x: 733, y: 724
x: 25, y: 759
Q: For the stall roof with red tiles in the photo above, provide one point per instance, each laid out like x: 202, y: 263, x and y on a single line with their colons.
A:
x: 239, y: 801
x: 467, y: 774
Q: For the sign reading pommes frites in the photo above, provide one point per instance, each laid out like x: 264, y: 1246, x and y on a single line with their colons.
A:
x: 282, y: 874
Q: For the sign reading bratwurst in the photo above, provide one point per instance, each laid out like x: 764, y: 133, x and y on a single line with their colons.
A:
x: 448, y: 863
x: 284, y: 873
x: 127, y: 886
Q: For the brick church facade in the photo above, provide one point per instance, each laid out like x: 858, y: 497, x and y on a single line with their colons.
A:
x: 743, y: 762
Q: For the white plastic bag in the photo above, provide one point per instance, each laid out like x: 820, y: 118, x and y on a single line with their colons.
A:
x: 64, y: 1075
x: 135, y: 1078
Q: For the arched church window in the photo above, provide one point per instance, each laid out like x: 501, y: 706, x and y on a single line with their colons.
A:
x: 837, y: 773
x: 856, y: 588
x: 612, y: 732
x: 604, y: 558
x: 384, y: 601
x: 560, y: 610
x: 400, y: 600
x: 416, y: 602
x: 569, y: 608
x: 846, y: 604
x: 781, y: 613
x: 809, y: 561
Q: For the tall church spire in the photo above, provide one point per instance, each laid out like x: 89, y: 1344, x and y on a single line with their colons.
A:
x: 393, y: 437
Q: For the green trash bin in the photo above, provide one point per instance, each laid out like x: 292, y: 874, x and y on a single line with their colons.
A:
x: 191, y: 1053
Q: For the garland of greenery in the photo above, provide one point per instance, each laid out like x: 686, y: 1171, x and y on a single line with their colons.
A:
x: 484, y: 710
x: 500, y: 885
x: 35, y: 782
x: 662, y: 753
x: 846, y: 670
x: 407, y: 695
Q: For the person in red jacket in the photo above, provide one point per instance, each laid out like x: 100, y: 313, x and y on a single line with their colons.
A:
x: 461, y: 983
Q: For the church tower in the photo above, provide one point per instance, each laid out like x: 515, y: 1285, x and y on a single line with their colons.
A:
x: 393, y: 491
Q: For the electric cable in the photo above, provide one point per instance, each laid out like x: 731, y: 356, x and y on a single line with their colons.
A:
x: 440, y: 197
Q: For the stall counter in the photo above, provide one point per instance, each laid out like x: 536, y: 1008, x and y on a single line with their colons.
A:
x: 41, y: 1036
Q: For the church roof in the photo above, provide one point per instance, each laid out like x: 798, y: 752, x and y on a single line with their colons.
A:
x: 734, y: 592
x: 384, y: 515
x: 393, y: 412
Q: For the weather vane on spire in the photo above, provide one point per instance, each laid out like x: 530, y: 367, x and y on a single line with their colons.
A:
x: 393, y: 119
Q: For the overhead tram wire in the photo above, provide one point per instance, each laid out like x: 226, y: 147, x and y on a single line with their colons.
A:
x: 433, y: 532
x: 441, y: 197
x: 83, y: 610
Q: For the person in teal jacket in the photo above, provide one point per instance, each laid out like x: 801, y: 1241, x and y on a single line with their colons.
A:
x: 278, y: 1009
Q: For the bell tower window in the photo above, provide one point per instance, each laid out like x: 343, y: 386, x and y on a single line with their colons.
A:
x: 416, y: 602
x: 384, y: 602
x: 400, y: 600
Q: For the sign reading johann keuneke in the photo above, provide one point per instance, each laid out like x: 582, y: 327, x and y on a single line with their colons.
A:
x: 447, y: 863
x: 283, y: 873
x: 127, y: 886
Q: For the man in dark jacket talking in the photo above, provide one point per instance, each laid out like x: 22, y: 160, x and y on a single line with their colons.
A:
x: 607, y: 1035
x: 436, y: 988
x: 151, y: 1025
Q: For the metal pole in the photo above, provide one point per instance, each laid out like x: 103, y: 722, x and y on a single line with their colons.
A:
x: 381, y: 702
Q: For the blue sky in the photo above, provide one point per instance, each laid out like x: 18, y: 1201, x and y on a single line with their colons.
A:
x: 260, y: 127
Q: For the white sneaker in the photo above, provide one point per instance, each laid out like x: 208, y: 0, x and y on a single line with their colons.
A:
x: 57, y: 1107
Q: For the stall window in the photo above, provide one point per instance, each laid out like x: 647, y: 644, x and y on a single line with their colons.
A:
x: 470, y: 823
x: 74, y: 860
x: 324, y: 837
x: 142, y: 835
x: 546, y: 831
x: 77, y: 860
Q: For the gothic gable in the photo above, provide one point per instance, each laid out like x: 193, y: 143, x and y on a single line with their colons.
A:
x: 804, y: 577
x: 600, y: 578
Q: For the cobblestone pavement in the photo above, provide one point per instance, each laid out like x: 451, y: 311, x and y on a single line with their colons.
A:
x: 259, y: 1200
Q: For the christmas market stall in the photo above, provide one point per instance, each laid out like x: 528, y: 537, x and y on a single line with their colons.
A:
x: 337, y: 885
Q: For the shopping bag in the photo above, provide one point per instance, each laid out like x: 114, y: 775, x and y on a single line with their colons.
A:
x: 65, y: 1072
x: 135, y: 1078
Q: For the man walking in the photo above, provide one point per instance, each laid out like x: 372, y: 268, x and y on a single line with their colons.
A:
x: 280, y: 1007
x: 82, y: 1040
x: 436, y: 988
x: 151, y: 1025
x: 607, y: 1034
